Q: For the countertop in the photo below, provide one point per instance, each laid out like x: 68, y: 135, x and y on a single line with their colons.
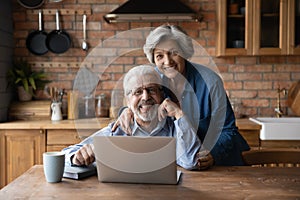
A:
x: 93, y: 123
x: 90, y: 123
x: 246, y: 124
x: 244, y: 182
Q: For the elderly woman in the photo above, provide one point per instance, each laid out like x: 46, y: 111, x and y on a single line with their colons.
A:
x: 200, y: 93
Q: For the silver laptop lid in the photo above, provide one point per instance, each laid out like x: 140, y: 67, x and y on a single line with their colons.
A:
x: 136, y: 159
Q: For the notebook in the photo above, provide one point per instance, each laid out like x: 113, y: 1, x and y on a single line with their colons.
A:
x: 76, y: 172
x: 127, y: 159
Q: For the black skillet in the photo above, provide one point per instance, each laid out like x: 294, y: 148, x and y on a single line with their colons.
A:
x: 58, y: 41
x: 36, y: 40
x: 31, y: 3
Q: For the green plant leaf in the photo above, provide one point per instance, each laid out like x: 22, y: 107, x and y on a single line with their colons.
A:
x: 32, y: 82
x: 25, y: 85
x: 22, y: 75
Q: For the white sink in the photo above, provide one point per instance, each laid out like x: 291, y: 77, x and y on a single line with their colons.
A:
x: 285, y: 128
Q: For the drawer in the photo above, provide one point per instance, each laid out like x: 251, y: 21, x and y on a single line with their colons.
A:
x: 67, y: 136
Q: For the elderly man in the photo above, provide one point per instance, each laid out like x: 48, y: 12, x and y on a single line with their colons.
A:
x: 144, y: 95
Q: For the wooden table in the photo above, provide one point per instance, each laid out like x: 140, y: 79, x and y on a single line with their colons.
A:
x: 216, y: 183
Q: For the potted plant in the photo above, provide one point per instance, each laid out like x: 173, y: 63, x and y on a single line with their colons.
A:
x: 25, y: 80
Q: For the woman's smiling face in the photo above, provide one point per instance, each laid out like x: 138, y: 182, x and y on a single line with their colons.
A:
x: 168, y: 60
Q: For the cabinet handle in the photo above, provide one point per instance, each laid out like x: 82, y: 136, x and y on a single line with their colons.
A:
x: 42, y: 131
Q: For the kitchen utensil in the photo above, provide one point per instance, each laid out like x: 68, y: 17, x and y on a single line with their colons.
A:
x: 58, y: 41
x: 36, y: 41
x: 31, y: 3
x: 56, y: 111
x: 73, y: 111
x: 84, y: 43
x: 35, y: 3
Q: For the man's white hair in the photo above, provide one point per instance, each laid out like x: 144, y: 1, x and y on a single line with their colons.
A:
x: 140, y: 71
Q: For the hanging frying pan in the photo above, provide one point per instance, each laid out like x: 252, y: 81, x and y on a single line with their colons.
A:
x: 58, y: 41
x: 36, y: 40
x: 31, y: 3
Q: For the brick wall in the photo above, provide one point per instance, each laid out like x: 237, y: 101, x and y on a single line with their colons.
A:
x: 251, y: 81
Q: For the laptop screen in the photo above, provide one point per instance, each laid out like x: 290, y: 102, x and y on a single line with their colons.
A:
x: 136, y: 159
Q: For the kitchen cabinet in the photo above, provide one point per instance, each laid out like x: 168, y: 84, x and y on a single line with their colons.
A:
x: 259, y: 27
x: 277, y: 144
x: 59, y: 139
x: 19, y: 150
x: 22, y: 143
x: 293, y: 23
x: 250, y: 131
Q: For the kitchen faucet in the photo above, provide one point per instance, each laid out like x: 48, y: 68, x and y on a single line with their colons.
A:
x: 278, y: 110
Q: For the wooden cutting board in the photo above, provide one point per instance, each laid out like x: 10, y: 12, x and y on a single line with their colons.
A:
x: 30, y: 110
x: 293, y: 100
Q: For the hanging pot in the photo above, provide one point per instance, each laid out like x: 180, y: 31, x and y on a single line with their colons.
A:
x: 31, y: 4
x: 58, y: 41
x: 36, y: 41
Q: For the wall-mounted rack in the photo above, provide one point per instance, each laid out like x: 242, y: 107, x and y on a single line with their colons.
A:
x: 61, y: 64
x: 61, y: 11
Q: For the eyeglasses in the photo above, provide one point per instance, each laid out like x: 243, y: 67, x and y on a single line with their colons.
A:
x: 152, y: 90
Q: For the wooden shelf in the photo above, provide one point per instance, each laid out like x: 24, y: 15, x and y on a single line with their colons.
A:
x: 61, y: 11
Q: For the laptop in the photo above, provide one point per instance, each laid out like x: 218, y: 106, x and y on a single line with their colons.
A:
x: 134, y: 159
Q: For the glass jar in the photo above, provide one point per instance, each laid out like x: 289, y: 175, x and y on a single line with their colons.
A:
x: 88, y: 106
x: 101, y: 109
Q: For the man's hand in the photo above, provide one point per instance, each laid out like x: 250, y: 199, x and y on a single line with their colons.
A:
x: 84, y: 156
x: 205, y: 160
x: 124, y: 121
x: 169, y: 108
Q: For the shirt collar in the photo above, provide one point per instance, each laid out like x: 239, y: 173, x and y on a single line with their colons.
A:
x: 161, y: 125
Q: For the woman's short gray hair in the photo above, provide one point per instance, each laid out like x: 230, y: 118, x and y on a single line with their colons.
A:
x: 169, y: 32
x: 140, y: 71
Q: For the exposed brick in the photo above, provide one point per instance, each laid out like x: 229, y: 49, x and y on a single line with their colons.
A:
x: 258, y: 68
x: 272, y: 59
x: 287, y: 68
x: 222, y: 68
x: 293, y: 59
x: 295, y: 76
x: 250, y: 112
x: 251, y: 79
x: 236, y: 68
x: 257, y: 85
x: 276, y: 76
x: 256, y: 102
x: 248, y: 76
x: 227, y: 76
x: 267, y: 112
x: 243, y: 94
x: 246, y: 60
x: 108, y: 85
x: 209, y: 16
x: 267, y: 94
x: 232, y: 85
x: 224, y: 60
